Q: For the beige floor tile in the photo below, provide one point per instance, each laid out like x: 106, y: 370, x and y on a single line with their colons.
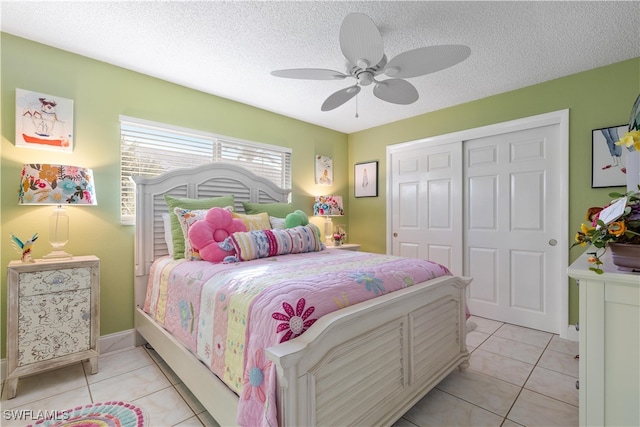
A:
x: 46, y: 384
x: 489, y: 393
x: 130, y: 386
x: 553, y: 384
x: 442, y: 409
x: 525, y: 335
x: 514, y: 349
x: 563, y: 346
x: 475, y: 338
x: 191, y: 422
x: 560, y: 362
x: 188, y: 397
x: 505, y: 368
x: 49, y: 405
x: 207, y: 420
x: 533, y: 409
x: 486, y: 326
x: 165, y: 407
x: 503, y: 356
x: 120, y: 362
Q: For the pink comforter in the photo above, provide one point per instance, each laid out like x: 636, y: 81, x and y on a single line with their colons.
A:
x: 227, y: 314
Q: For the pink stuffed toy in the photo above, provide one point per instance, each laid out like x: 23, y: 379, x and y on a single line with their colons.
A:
x: 207, y: 234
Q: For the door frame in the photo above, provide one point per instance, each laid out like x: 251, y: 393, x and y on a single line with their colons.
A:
x: 561, y: 118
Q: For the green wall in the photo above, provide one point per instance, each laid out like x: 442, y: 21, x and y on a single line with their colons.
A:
x: 597, y: 98
x: 101, y: 92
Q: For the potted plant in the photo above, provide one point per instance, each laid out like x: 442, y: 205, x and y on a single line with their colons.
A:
x: 615, y: 226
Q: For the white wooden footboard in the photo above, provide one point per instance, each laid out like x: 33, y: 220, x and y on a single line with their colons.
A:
x: 368, y: 364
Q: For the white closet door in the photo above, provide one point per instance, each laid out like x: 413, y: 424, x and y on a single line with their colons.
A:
x: 427, y: 204
x: 512, y: 227
x: 490, y: 203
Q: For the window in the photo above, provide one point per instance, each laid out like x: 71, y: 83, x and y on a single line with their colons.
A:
x: 149, y: 149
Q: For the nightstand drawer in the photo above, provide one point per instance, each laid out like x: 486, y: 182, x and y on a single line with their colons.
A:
x: 53, y: 325
x: 55, y: 280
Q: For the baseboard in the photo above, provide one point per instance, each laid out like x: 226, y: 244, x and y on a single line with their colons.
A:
x: 106, y: 344
x: 572, y: 333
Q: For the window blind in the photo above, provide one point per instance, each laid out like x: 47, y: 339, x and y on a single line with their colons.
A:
x: 150, y: 149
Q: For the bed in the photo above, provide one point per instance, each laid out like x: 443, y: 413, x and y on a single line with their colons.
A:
x: 365, y: 364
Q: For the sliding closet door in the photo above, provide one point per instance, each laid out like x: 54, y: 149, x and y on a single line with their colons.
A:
x: 513, y: 225
x: 490, y: 203
x: 426, y: 194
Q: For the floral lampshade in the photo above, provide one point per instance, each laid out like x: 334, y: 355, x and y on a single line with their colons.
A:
x: 58, y: 185
x: 328, y: 206
x: 47, y: 184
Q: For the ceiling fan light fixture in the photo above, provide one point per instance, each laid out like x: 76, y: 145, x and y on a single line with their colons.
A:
x: 392, y: 71
x: 365, y: 78
x: 363, y: 64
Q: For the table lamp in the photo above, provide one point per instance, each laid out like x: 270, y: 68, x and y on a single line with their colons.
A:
x: 57, y: 185
x: 328, y: 206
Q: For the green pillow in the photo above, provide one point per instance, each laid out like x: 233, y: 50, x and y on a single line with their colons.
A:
x: 278, y: 210
x: 176, y: 229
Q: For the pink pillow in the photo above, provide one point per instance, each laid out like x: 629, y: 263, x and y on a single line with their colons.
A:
x: 206, y: 234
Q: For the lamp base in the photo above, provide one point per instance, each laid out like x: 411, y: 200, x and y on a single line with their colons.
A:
x: 58, y: 254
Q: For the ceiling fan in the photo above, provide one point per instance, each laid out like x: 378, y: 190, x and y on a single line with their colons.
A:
x: 361, y: 44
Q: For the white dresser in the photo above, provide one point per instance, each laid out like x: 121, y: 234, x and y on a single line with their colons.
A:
x: 609, y: 344
x: 53, y: 316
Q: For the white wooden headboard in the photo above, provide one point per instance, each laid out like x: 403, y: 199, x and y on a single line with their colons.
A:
x: 209, y: 180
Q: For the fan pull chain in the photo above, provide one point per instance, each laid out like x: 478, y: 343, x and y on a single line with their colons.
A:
x: 357, y: 106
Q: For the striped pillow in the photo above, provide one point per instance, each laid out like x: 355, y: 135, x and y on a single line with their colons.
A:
x: 265, y: 243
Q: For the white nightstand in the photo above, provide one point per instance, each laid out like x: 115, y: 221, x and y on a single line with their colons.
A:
x: 346, y: 247
x: 53, y: 316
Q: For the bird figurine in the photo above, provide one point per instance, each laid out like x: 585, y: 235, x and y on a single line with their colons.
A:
x: 24, y: 248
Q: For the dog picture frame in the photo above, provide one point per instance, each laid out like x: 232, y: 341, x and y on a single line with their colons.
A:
x: 44, y: 121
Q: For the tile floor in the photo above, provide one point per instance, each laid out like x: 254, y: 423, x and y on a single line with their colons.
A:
x: 517, y: 377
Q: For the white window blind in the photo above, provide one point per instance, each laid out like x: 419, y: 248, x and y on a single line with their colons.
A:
x: 150, y: 148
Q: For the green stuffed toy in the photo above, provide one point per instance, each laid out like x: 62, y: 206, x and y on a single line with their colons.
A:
x: 295, y: 219
x: 299, y: 218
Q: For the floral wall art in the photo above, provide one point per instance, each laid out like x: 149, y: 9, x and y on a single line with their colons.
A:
x: 44, y: 121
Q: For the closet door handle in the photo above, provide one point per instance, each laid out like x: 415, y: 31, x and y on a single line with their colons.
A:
x: 553, y: 242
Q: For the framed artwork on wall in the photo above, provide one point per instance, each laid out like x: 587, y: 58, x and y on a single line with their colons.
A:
x: 608, y: 160
x: 44, y: 121
x: 365, y: 180
x: 324, y: 170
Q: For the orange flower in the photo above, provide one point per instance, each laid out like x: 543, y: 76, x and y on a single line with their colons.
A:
x: 49, y: 173
x: 617, y: 228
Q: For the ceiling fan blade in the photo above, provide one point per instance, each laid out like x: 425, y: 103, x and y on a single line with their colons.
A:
x: 309, y: 74
x: 425, y: 60
x: 396, y: 91
x: 360, y: 40
x: 340, y: 97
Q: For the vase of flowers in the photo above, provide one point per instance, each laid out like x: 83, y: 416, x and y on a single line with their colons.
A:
x: 339, y: 235
x: 615, y: 226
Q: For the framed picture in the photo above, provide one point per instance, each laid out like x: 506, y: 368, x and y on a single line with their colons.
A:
x: 324, y: 170
x: 365, y: 180
x: 608, y: 160
x: 44, y: 121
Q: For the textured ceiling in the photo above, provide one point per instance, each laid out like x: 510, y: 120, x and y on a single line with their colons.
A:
x: 229, y: 48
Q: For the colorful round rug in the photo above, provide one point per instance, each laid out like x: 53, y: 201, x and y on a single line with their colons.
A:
x: 108, y: 414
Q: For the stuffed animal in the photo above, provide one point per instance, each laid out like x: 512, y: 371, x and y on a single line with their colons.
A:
x: 295, y: 219
x: 208, y: 234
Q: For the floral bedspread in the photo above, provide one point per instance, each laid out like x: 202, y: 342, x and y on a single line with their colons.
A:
x: 227, y: 314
